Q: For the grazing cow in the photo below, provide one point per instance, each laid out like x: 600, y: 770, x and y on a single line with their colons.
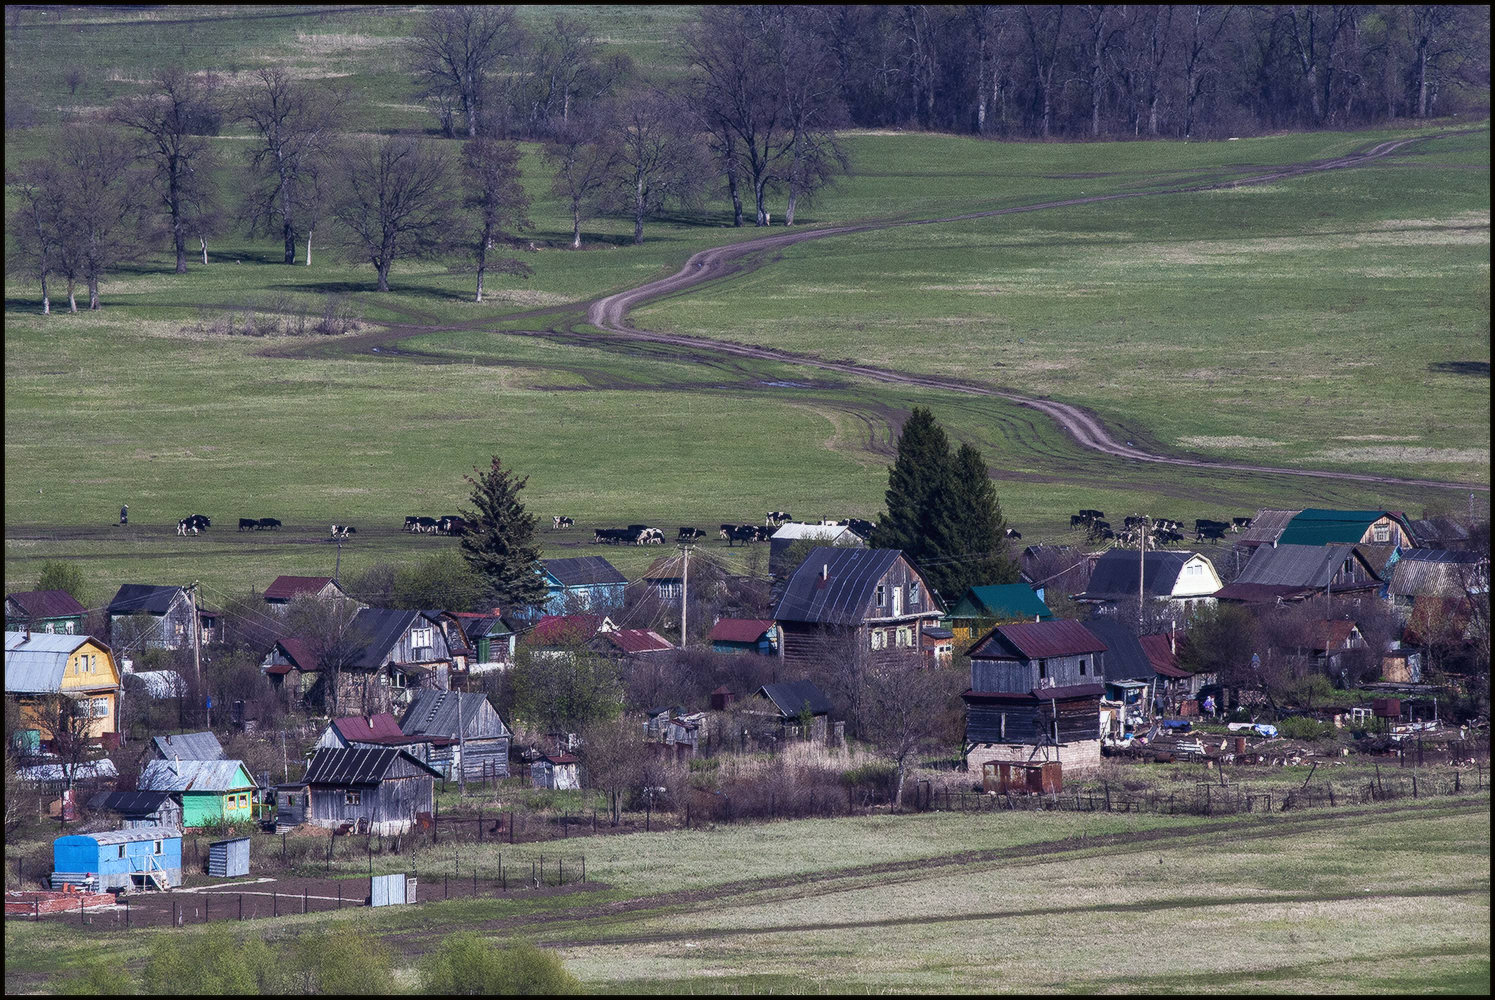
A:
x: 268, y: 524
x: 690, y: 534
x: 410, y: 522
x: 558, y: 521
x: 1093, y: 515
x: 1240, y: 523
x: 248, y: 524
x: 1077, y: 521
x: 858, y: 526
x: 1014, y: 533
x: 343, y: 530
x: 185, y: 525
x: 777, y: 517
x: 451, y: 524
x: 1212, y: 532
x: 425, y: 525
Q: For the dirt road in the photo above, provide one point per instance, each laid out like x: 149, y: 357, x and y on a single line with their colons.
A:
x: 610, y: 314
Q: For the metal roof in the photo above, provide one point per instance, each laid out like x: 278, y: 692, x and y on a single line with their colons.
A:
x: 1115, y: 574
x: 357, y: 765
x: 1438, y: 529
x: 83, y: 772
x: 1266, y: 526
x: 1305, y: 566
x: 434, y: 713
x: 569, y: 628
x: 638, y: 640
x: 790, y: 697
x: 133, y: 835
x: 1159, y: 651
x: 369, y: 729
x: 1258, y: 593
x: 831, y: 534
x: 739, y: 629
x: 189, y: 746
x: 195, y: 776
x: 833, y: 586
x: 47, y: 604
x: 583, y: 571
x: 1002, y: 600
x: 135, y: 598
x: 1435, y: 577
x: 136, y: 801
x: 1125, y: 658
x: 380, y: 630
x: 1032, y: 640
x: 286, y: 587
x: 1316, y: 526
x: 36, y: 665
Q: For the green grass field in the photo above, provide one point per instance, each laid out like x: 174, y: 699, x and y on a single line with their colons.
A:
x: 1307, y: 902
x: 1320, y: 321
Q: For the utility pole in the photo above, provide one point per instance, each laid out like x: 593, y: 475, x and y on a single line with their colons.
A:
x: 461, y: 748
x: 1141, y: 573
x: 338, y: 568
x: 684, y: 584
x: 197, y: 643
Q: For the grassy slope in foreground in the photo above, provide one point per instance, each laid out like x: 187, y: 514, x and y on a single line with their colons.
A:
x: 1305, y: 323
x: 1309, y: 902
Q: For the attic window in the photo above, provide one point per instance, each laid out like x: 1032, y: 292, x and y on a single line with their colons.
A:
x: 1381, y: 533
x: 420, y: 637
x: 1082, y: 666
x: 881, y: 596
x: 913, y: 594
x: 1043, y: 669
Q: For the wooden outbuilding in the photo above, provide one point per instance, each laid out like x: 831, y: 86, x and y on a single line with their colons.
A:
x: 555, y: 771
x: 463, y: 730
x: 151, y: 809
x: 371, y: 790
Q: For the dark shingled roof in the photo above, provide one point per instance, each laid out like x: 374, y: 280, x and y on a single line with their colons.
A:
x: 1303, y: 566
x: 790, y: 698
x: 380, y: 629
x: 135, y: 802
x: 583, y: 571
x: 47, y: 604
x: 840, y: 598
x: 286, y: 587
x: 134, y: 598
x: 358, y: 766
x: 1032, y: 640
x: 1115, y: 574
x: 1125, y: 659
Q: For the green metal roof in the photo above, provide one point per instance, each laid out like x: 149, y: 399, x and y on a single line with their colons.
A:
x: 1006, y: 600
x: 1317, y: 526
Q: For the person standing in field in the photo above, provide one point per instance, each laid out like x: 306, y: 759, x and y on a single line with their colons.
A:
x: 124, y: 515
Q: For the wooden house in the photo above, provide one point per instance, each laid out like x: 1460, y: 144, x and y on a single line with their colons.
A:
x: 874, y: 599
x: 555, y: 771
x: 788, y: 535
x: 790, y: 702
x: 120, y: 859
x: 1286, y: 573
x: 745, y: 635
x: 210, y: 791
x: 45, y: 611
x: 1317, y: 526
x: 491, y: 639
x: 582, y: 582
x: 558, y: 635
x: 1182, y: 580
x: 40, y: 668
x: 1437, y: 573
x: 464, y: 732
x: 983, y: 608
x: 285, y: 589
x: 137, y: 808
x: 1035, y: 694
x: 378, y: 790
x: 166, y: 614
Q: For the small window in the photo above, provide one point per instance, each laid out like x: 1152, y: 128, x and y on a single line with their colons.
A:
x: 156, y: 847
x: 351, y: 798
x: 879, y: 639
x: 913, y: 594
x: 420, y: 637
x: 1381, y: 533
x: 51, y: 628
x: 121, y: 851
x: 101, y: 708
x: 68, y: 627
x: 1043, y: 669
x: 905, y: 637
x: 1082, y: 667
x: 881, y: 593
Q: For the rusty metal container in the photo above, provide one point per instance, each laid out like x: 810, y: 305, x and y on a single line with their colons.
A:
x: 1386, y: 708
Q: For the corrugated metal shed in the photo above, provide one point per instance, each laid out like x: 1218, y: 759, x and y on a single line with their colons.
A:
x: 36, y: 665
x: 228, y: 858
x: 1439, y: 573
x: 189, y: 746
x: 195, y: 776
x: 833, y: 585
x: 1034, y: 640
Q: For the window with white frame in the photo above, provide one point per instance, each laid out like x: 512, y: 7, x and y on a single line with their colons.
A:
x: 879, y: 638
x: 905, y: 637
x: 101, y: 708
x: 51, y: 628
x: 421, y: 637
x: 1381, y: 533
x: 351, y: 798
x: 397, y: 678
x: 68, y: 627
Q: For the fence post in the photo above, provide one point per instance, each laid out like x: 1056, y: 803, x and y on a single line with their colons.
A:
x: 1414, y: 784
x: 127, y: 911
x: 241, y: 906
x: 480, y: 821
x: 583, y: 867
x: 513, y: 818
x: 339, y: 895
x: 175, y: 912
x: 303, y: 899
x: 205, y: 906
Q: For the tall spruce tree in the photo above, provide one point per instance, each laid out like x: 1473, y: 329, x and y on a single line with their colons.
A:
x: 981, y: 528
x: 922, y: 518
x: 499, y: 544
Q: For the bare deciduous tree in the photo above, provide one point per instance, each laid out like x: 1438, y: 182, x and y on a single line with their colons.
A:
x: 98, y: 203
x: 395, y: 201
x: 496, y: 202
x: 584, y: 157
x: 657, y: 161
x: 295, y: 124
x: 906, y: 710
x: 172, y: 121
x: 456, y: 52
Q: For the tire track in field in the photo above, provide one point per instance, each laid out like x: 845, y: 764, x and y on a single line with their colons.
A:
x: 610, y: 314
x: 894, y: 873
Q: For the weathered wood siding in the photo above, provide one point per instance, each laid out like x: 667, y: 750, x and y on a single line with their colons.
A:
x: 1023, y: 675
x: 1025, y: 720
x: 389, y: 807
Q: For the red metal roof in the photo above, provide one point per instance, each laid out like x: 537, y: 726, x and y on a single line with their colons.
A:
x: 381, y: 728
x: 1160, y: 654
x: 300, y: 654
x: 562, y: 628
x: 1061, y: 637
x: 48, y: 603
x: 286, y: 587
x: 739, y: 629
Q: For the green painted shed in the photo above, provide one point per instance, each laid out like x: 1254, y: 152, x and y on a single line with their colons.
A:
x: 210, y: 791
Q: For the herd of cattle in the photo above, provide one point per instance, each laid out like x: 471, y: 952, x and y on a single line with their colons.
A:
x: 451, y: 524
x: 259, y: 524
x: 1164, y: 531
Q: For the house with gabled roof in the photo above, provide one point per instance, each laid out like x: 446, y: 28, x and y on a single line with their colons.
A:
x: 168, y: 612
x: 187, y: 746
x: 1035, y: 695
x: 1266, y: 527
x: 628, y: 643
x: 1319, y: 526
x: 791, y: 702
x: 985, y: 607
x: 39, y: 666
x: 375, y: 790
x: 581, y: 582
x: 1286, y: 573
x: 1182, y: 580
x: 744, y: 635
x: 210, y: 791
x: 787, y: 535
x: 875, y: 598
x: 491, y: 639
x: 1438, y: 532
x: 285, y: 589
x: 1437, y: 573
x: 44, y: 611
x: 464, y: 730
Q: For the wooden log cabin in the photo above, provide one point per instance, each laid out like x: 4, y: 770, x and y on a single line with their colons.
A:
x: 378, y: 790
x: 1035, y: 695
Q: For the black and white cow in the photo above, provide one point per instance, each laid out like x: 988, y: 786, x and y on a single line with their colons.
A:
x: 248, y: 524
x: 193, y: 523
x: 1014, y: 533
x: 343, y: 530
x: 267, y: 524
x: 411, y: 522
x: 690, y: 534
x: 561, y: 522
x: 777, y: 517
x: 1240, y: 523
x: 451, y: 524
x: 425, y: 525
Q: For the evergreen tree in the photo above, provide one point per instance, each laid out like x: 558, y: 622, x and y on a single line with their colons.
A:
x: 922, y: 518
x: 499, y: 544
x: 982, y: 530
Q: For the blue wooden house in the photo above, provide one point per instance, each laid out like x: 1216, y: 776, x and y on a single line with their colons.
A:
x: 745, y: 635
x: 581, y: 584
x: 135, y: 858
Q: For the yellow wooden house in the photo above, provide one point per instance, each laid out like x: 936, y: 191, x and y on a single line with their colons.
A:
x: 39, y: 667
